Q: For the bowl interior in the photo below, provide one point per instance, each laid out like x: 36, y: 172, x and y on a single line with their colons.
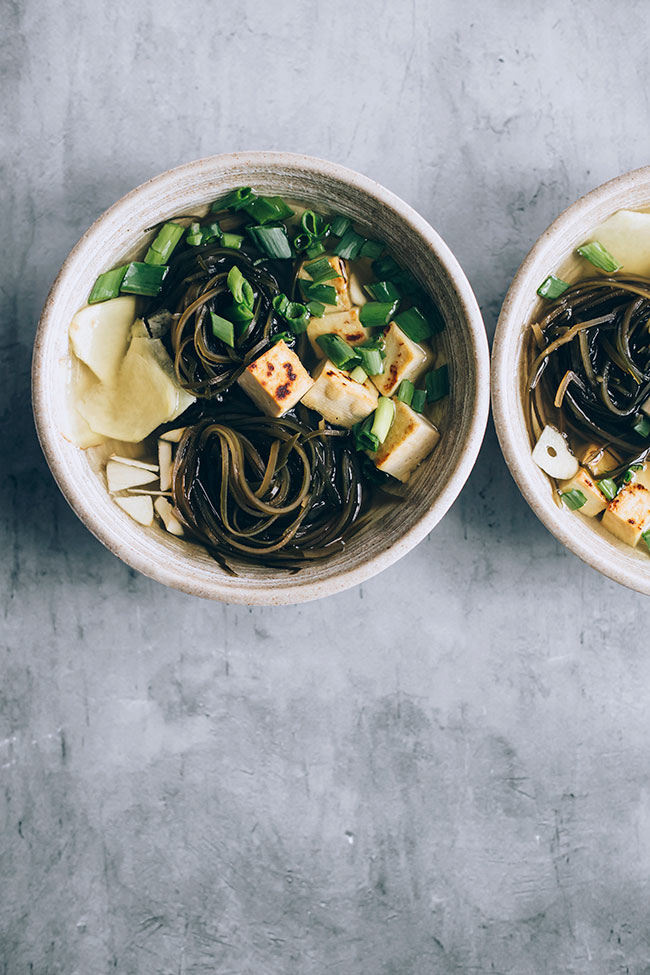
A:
x: 584, y: 536
x: 122, y: 231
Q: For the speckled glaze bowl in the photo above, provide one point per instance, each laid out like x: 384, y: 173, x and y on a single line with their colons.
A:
x: 584, y: 536
x: 121, y: 232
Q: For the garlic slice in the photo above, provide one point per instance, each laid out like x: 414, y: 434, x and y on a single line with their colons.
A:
x: 553, y: 454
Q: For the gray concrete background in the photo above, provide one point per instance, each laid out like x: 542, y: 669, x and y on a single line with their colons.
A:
x: 445, y: 770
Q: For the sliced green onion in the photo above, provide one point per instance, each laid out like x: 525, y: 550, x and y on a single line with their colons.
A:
x: 143, y: 279
x: 599, y: 256
x: 223, y: 329
x: 280, y: 302
x: 240, y: 312
x: 574, y: 499
x: 386, y: 268
x: 314, y: 224
x: 372, y: 249
x: 287, y: 337
x: 240, y: 289
x: 414, y: 324
x: 234, y: 200
x: 419, y: 400
x: 194, y: 234
x: 321, y: 270
x: 383, y: 291
x: 358, y: 375
x: 405, y: 391
x: 384, y: 416
x: 363, y: 438
x: 301, y: 242
x: 164, y: 243
x: 325, y: 293
x: 267, y: 209
x: 212, y: 232
x: 272, y: 240
x: 340, y: 225
x: 371, y: 360
x: 234, y: 241
x: 629, y: 474
x: 375, y: 313
x: 107, y: 285
x: 349, y: 245
x: 315, y: 248
x: 552, y: 287
x: 437, y: 383
x: 294, y: 313
x: 646, y: 538
x: 338, y: 351
x: 642, y: 427
x: 608, y: 487
x: 316, y: 308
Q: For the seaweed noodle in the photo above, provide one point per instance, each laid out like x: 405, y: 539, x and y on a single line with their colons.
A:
x: 589, y: 364
x: 197, y: 285
x: 273, y: 492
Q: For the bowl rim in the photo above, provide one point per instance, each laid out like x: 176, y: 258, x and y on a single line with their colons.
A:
x: 506, y: 397
x: 298, y: 591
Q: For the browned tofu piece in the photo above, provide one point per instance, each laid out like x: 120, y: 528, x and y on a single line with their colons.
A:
x: 339, y: 283
x: 628, y: 515
x: 347, y: 324
x: 277, y: 380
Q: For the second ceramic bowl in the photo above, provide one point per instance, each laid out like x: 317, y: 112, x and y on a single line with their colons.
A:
x: 122, y: 232
x: 584, y: 536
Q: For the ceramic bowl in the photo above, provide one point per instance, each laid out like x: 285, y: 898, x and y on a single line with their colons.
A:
x: 582, y: 535
x: 121, y: 233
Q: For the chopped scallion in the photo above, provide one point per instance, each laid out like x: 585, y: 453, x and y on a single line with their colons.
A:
x: 315, y: 248
x: 338, y: 351
x: 340, y: 225
x: 286, y: 337
x: 234, y: 241
x: 363, y: 438
x: 164, y: 243
x: 107, y: 285
x: 293, y: 312
x: 414, y: 324
x: 212, y: 232
x: 272, y: 240
x: 358, y: 375
x: 321, y: 270
x: 235, y: 200
x: 384, y: 416
x: 608, y: 487
x: 143, y: 279
x: 267, y: 209
x: 574, y: 499
x: 629, y: 474
x: 419, y: 400
x: 314, y: 224
x: 383, y: 291
x: 349, y: 245
x: 552, y: 287
x: 223, y: 329
x: 324, y: 293
x: 599, y: 256
x: 240, y: 288
x: 405, y: 391
x: 316, y: 308
x: 437, y: 383
x: 372, y: 249
x: 371, y: 360
x: 194, y: 234
x: 375, y: 313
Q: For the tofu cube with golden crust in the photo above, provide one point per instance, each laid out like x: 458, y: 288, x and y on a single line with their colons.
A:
x: 347, y: 324
x: 277, y: 380
x: 405, y: 359
x: 582, y: 481
x: 628, y: 515
x: 339, y: 399
x: 339, y: 283
x: 410, y: 439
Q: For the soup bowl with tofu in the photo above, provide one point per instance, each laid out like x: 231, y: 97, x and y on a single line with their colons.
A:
x: 260, y: 378
x: 571, y: 379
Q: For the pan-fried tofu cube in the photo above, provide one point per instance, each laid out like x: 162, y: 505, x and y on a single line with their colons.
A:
x: 410, y: 439
x: 596, y: 500
x: 276, y: 381
x: 339, y: 399
x: 628, y: 515
x: 347, y: 324
x: 405, y: 359
x: 339, y: 283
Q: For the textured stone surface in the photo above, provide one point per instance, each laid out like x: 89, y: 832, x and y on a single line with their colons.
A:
x: 444, y: 771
